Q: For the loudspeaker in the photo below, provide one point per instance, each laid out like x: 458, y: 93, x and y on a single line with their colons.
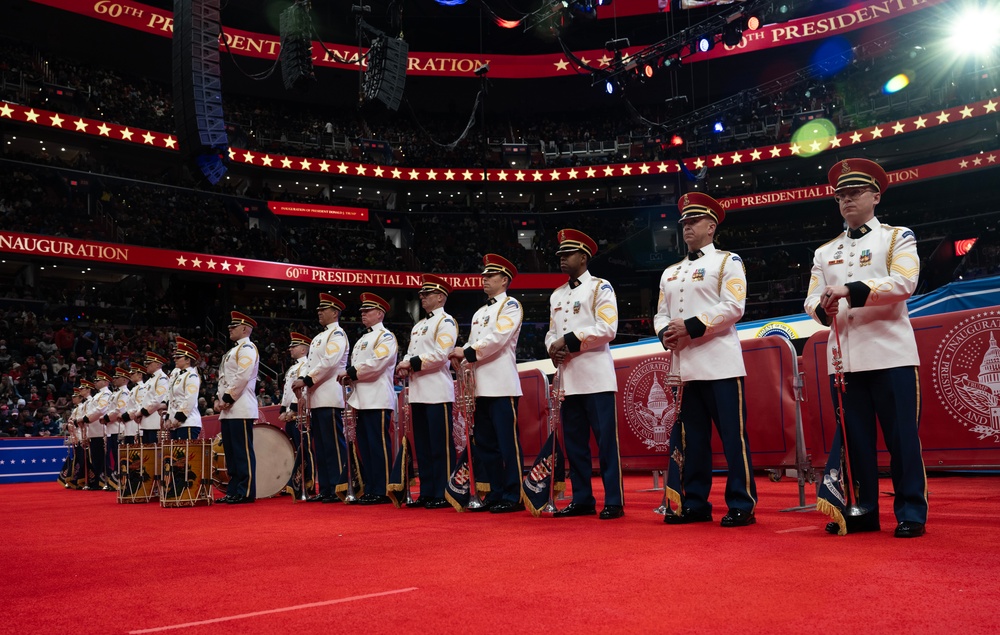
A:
x: 385, y: 78
x: 295, y: 26
x: 201, y: 127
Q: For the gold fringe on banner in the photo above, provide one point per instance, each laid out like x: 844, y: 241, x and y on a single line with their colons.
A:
x: 826, y: 507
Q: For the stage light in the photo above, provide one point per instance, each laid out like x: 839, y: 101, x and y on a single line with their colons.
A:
x: 732, y: 33
x: 451, y: 3
x: 647, y: 70
x: 676, y: 140
x: 609, y: 87
x: 718, y: 127
x: 896, y: 84
x: 704, y: 44
x: 752, y: 23
x: 976, y: 31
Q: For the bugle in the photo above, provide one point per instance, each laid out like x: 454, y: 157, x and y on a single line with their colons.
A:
x: 557, y: 394
x: 405, y: 421
x: 302, y: 415
x: 674, y: 388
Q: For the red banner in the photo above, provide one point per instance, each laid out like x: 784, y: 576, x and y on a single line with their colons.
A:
x: 318, y: 211
x: 142, y: 17
x: 134, y: 256
x: 840, y: 141
x: 959, y: 418
x: 917, y: 173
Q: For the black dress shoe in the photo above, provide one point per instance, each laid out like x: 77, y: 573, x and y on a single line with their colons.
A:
x: 909, y: 529
x: 420, y: 502
x: 574, y: 509
x: 437, y: 503
x: 687, y: 517
x: 241, y: 500
x: 738, y: 518
x: 329, y: 498
x: 610, y: 512
x: 856, y: 524
x: 318, y: 498
x: 225, y: 500
x: 506, y: 507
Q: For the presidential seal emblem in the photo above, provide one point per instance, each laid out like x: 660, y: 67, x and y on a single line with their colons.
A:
x: 650, y: 409
x: 967, y: 374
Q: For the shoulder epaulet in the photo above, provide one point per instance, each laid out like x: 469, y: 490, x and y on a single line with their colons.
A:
x: 678, y: 263
x: 840, y: 236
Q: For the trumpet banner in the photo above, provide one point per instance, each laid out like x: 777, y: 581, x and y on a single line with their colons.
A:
x: 295, y: 482
x: 401, y: 476
x: 457, y: 490
x: 539, y: 479
x: 359, y: 484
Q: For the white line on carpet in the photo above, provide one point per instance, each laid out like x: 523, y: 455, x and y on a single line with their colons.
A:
x: 271, y: 611
x: 788, y: 531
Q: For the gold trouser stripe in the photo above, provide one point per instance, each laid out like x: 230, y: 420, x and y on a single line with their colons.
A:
x: 517, y: 451
x: 246, y: 448
x: 743, y: 444
x: 923, y: 468
x: 448, y: 442
x: 621, y: 486
x: 385, y: 456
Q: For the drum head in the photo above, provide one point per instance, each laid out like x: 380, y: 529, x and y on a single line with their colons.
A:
x: 275, y: 459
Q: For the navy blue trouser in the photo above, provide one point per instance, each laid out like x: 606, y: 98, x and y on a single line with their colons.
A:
x: 375, y: 449
x: 498, y: 448
x: 190, y: 432
x: 149, y: 436
x: 331, y: 447
x: 892, y: 397
x: 721, y: 401
x: 580, y: 415
x: 433, y: 446
x: 237, y: 443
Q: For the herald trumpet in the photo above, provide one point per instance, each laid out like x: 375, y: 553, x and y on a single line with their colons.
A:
x: 465, y: 403
x: 302, y: 415
x: 673, y: 386
x: 405, y: 421
x: 351, y: 434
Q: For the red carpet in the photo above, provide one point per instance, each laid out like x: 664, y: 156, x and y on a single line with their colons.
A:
x: 77, y: 562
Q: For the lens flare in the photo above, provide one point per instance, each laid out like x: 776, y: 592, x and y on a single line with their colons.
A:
x: 896, y: 84
x: 814, y: 137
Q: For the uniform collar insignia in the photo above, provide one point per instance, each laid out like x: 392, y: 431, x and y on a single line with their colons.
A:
x: 574, y: 283
x: 491, y: 302
x: 694, y: 255
x: 859, y: 232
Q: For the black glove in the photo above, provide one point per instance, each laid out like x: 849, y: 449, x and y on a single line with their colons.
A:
x: 144, y: 412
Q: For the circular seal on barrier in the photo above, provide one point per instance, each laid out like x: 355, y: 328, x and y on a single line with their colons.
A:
x: 649, y: 403
x: 777, y: 328
x: 967, y: 374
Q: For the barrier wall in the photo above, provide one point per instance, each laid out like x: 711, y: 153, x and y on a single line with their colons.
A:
x: 959, y: 390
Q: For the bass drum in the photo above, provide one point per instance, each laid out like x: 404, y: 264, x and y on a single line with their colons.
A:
x: 274, y: 456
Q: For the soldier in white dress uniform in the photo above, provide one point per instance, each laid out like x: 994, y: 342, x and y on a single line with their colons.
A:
x: 154, y: 397
x: 432, y: 391
x: 236, y: 403
x: 298, y: 348
x: 326, y: 360
x: 492, y: 349
x: 183, y: 417
x: 135, y: 396
x: 373, y: 362
x: 701, y: 300
x: 97, y: 406
x: 862, y: 280
x: 114, y: 423
x: 583, y: 319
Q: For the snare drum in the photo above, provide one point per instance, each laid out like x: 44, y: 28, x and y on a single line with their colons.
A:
x: 274, y: 455
x: 138, y: 473
x: 186, y: 478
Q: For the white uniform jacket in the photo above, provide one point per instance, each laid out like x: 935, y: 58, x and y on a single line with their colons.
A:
x: 77, y: 419
x: 431, y: 341
x: 709, y: 294
x: 119, y: 402
x: 157, y: 387
x: 97, y: 406
x: 288, y: 399
x: 183, y: 398
x: 373, y: 362
x: 585, y: 313
x: 327, y: 359
x: 135, y: 397
x: 238, y: 381
x: 493, y: 347
x: 880, y: 266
